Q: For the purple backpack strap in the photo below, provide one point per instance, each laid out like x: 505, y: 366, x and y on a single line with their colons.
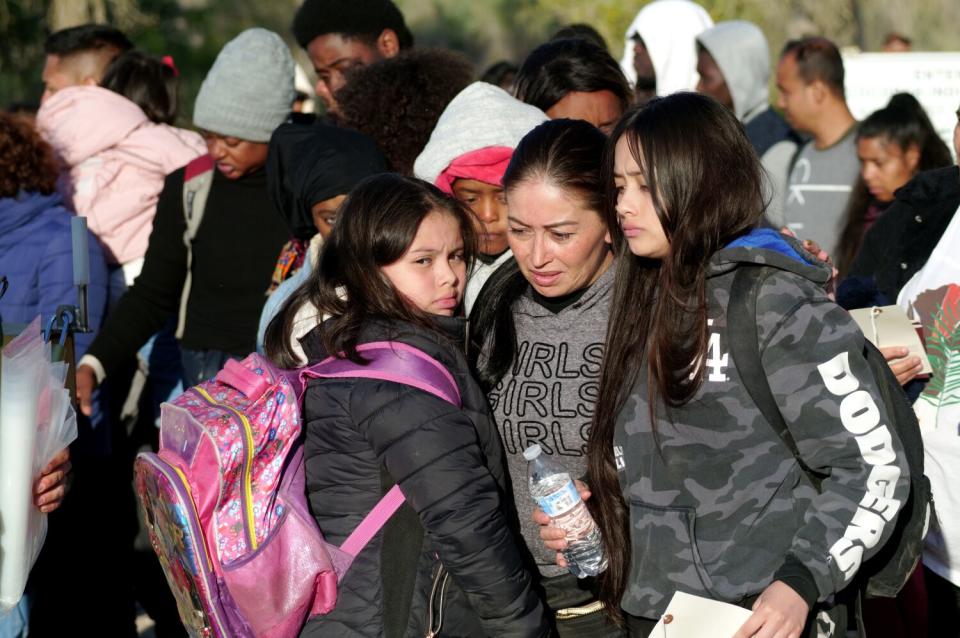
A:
x: 400, y: 363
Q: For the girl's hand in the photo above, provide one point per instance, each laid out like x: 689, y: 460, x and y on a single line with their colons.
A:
x: 51, y: 487
x: 553, y: 537
x: 86, y: 384
x: 814, y: 249
x: 779, y: 612
x: 906, y: 368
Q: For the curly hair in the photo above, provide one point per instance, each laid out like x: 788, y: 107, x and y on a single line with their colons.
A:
x: 26, y: 161
x: 364, y: 20
x: 398, y: 101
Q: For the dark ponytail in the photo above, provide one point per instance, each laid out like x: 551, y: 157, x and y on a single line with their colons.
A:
x: 567, y: 153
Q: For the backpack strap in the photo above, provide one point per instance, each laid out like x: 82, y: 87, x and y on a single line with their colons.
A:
x: 399, y: 363
x: 744, y: 341
x: 197, y: 180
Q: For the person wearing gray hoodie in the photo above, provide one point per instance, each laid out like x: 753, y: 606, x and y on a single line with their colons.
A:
x: 733, y: 60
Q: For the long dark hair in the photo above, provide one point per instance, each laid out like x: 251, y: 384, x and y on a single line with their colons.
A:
x: 902, y: 122
x: 705, y: 180
x: 559, y: 67
x: 375, y: 226
x: 567, y: 153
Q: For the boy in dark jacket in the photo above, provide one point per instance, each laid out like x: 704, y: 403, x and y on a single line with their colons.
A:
x: 219, y: 280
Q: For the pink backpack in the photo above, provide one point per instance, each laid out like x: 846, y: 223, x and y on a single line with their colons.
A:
x: 225, y: 504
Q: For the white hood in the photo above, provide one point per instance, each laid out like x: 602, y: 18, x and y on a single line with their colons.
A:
x: 668, y: 29
x: 480, y: 116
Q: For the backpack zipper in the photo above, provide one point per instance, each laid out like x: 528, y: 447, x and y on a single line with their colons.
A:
x: 247, y: 493
x: 196, y: 514
x: 431, y: 632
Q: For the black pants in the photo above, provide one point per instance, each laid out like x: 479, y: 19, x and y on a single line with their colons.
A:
x: 566, y: 591
x: 944, y: 605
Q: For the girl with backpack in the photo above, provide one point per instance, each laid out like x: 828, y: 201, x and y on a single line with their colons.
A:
x: 448, y: 561
x: 694, y: 490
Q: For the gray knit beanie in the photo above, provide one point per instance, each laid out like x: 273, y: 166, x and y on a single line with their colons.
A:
x: 249, y: 90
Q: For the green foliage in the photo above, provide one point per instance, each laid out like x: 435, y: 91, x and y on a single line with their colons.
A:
x: 21, y: 56
x: 192, y: 31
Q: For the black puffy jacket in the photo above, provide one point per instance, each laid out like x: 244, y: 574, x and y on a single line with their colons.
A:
x: 901, y: 240
x: 361, y: 435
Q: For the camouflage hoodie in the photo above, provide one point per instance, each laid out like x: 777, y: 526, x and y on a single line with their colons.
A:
x: 721, y: 508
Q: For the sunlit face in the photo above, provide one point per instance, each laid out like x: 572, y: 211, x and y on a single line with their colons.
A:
x: 885, y: 166
x: 560, y: 245
x: 432, y: 273
x: 795, y: 97
x: 333, y: 55
x: 489, y: 207
x: 638, y: 218
x: 58, y: 76
x: 711, y: 81
x: 235, y: 157
x: 600, y: 108
x: 325, y: 214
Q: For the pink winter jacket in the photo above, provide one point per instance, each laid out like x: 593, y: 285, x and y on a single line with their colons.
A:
x: 115, y: 163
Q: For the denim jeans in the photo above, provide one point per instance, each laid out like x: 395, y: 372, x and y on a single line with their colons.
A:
x: 162, y: 356
x: 202, y: 365
x: 16, y: 624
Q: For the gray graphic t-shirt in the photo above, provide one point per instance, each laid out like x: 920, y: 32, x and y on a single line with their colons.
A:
x: 548, y: 394
x: 819, y: 189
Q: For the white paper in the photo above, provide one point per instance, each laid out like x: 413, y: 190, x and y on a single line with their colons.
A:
x: 37, y: 421
x: 20, y: 382
x: 890, y: 326
x: 695, y: 617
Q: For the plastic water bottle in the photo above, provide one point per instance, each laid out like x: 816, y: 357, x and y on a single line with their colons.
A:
x: 553, y: 489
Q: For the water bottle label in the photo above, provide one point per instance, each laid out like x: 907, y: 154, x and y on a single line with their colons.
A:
x: 561, y: 501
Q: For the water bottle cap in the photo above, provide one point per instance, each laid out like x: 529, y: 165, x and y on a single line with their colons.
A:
x: 532, y: 452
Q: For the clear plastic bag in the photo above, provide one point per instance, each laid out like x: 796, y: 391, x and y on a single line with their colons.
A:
x: 37, y: 421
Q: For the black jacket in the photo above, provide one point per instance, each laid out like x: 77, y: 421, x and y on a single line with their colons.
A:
x: 901, y: 240
x: 769, y: 128
x: 234, y: 254
x: 449, y: 463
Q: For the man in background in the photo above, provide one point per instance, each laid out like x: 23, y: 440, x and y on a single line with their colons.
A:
x: 80, y: 55
x: 810, y: 82
x: 341, y: 34
x: 733, y: 61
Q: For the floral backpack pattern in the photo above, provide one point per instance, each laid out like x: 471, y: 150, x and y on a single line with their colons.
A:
x: 224, y: 499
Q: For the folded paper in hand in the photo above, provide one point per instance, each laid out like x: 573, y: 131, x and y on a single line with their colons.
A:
x: 690, y: 616
x: 890, y: 326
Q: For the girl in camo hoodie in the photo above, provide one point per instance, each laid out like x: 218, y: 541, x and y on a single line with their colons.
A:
x: 694, y: 490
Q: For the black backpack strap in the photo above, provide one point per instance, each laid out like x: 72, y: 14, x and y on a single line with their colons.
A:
x: 744, y: 342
